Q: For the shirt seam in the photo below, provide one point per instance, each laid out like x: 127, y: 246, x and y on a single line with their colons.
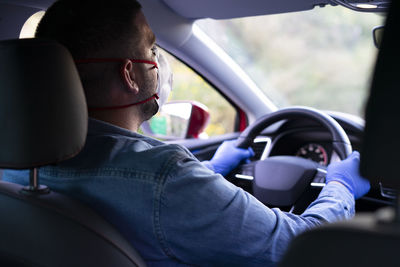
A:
x: 157, y: 208
x: 121, y: 173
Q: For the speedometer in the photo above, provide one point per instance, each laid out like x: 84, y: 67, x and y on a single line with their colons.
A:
x: 315, y: 152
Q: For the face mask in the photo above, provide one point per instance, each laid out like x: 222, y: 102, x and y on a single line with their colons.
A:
x: 164, y: 80
x: 164, y: 85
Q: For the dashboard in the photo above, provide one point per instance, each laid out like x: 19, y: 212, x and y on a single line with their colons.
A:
x: 306, y: 139
x: 301, y: 138
x: 313, y: 144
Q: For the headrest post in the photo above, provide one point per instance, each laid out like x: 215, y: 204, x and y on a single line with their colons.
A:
x: 397, y: 209
x: 34, y: 186
x: 33, y: 179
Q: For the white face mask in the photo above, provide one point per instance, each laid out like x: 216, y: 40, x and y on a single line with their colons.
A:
x: 164, y: 77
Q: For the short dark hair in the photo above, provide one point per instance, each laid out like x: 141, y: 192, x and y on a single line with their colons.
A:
x: 88, y: 27
x: 94, y: 29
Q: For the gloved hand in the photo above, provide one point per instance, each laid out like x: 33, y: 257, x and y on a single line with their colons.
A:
x: 228, y: 156
x: 347, y: 173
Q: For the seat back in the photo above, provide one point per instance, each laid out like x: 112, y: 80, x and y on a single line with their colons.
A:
x: 368, y: 240
x: 43, y: 119
x: 54, y: 230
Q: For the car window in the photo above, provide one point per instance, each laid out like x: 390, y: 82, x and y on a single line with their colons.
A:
x: 29, y: 27
x: 321, y: 58
x: 188, y: 85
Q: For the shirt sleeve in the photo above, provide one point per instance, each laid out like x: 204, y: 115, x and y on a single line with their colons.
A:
x: 205, y: 220
x: 208, y: 165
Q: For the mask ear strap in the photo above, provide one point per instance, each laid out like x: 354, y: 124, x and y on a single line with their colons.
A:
x: 155, y: 96
x: 122, y: 70
x: 102, y: 60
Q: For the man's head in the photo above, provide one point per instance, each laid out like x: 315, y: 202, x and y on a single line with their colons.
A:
x: 106, y: 29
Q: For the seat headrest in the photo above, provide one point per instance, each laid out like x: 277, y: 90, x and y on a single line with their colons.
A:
x: 380, y: 155
x: 43, y: 112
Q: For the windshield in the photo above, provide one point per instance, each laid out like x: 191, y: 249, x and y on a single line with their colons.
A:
x: 321, y: 58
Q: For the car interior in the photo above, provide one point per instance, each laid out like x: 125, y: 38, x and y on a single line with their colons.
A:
x: 40, y: 227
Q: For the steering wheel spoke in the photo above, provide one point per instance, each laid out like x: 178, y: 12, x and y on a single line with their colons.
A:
x: 243, y: 176
x: 245, y: 172
x: 319, y: 177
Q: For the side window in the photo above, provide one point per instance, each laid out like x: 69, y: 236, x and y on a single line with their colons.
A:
x: 188, y: 85
x: 29, y: 28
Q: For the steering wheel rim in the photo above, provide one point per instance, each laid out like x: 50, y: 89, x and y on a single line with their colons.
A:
x: 289, y: 175
x: 340, y: 140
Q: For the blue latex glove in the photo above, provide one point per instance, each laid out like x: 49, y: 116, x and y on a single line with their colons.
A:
x: 228, y: 156
x: 347, y: 173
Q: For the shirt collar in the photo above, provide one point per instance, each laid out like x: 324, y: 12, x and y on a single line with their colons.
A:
x: 98, y: 127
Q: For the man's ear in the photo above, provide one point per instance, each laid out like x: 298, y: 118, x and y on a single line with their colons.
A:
x: 128, y: 76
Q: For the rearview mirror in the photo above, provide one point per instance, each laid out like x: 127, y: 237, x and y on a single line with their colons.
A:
x: 377, y: 34
x: 178, y: 120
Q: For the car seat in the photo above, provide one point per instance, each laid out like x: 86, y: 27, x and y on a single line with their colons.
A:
x: 43, y: 120
x: 371, y: 239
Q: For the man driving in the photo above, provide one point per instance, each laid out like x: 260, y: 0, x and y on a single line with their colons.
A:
x: 172, y: 208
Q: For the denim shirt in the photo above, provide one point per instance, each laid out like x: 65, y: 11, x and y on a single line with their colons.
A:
x: 173, y: 209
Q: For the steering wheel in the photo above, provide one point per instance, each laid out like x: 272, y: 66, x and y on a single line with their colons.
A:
x: 280, y: 180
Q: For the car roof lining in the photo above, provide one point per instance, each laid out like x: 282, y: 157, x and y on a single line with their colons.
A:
x: 194, y: 9
x: 37, y: 4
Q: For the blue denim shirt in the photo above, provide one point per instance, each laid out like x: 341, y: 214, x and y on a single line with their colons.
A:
x: 173, y: 209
